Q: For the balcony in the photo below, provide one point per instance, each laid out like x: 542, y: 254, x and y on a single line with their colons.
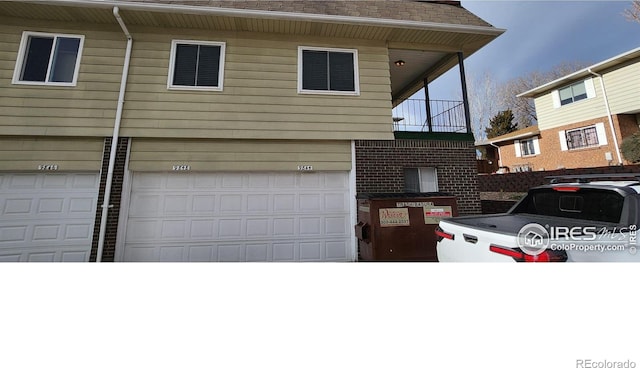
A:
x: 446, y: 117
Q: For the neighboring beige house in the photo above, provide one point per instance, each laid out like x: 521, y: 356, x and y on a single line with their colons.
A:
x: 582, y: 119
x: 219, y: 130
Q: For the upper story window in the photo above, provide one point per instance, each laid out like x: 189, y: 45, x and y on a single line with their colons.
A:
x: 196, y: 65
x: 573, y: 93
x: 527, y: 147
x: 328, y: 71
x: 590, y: 136
x: 576, y: 92
x: 48, y: 59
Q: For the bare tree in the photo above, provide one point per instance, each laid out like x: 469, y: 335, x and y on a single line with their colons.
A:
x: 633, y: 14
x: 523, y: 108
x: 483, y: 103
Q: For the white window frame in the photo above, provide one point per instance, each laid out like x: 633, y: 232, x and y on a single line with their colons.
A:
x: 356, y: 72
x: 589, y: 88
x: 535, y: 143
x: 601, y: 134
x: 427, y: 176
x: 172, y: 59
x: 20, y: 61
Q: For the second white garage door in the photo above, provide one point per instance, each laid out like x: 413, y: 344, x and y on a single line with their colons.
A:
x: 239, y: 217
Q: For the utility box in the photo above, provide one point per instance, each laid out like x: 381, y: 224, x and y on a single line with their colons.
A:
x: 401, y: 226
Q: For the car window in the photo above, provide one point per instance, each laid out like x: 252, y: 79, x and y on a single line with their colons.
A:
x: 584, y: 204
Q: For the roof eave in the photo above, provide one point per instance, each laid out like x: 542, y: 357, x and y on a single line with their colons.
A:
x: 582, y: 73
x: 506, y: 139
x: 251, y: 13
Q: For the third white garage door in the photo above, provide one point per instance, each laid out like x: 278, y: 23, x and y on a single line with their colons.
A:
x: 239, y: 217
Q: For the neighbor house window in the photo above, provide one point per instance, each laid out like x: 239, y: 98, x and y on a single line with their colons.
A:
x: 573, y: 93
x: 576, y: 92
x: 331, y: 71
x: 527, y: 147
x: 50, y: 59
x: 420, y: 180
x: 580, y: 138
x: 590, y: 136
x: 196, y: 65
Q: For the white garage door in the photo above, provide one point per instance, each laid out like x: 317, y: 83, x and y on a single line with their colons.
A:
x: 239, y: 217
x: 47, y: 217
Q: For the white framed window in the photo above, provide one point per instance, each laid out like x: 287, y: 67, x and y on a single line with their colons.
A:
x: 48, y: 59
x: 418, y: 180
x: 196, y: 65
x: 576, y: 92
x: 328, y: 71
x: 527, y: 147
x: 585, y: 137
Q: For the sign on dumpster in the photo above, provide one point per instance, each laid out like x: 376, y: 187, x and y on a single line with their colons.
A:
x: 394, y: 217
x: 433, y: 214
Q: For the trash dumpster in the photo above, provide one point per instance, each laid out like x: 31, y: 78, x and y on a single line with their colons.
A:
x: 401, y: 226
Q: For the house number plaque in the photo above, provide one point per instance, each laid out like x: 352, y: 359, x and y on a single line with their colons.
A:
x: 181, y: 167
x: 48, y: 167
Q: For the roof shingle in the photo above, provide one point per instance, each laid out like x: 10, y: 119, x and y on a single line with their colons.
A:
x: 447, y: 12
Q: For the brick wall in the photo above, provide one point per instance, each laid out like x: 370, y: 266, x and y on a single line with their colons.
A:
x: 108, y: 252
x: 521, y: 182
x: 380, y: 167
x: 553, y: 158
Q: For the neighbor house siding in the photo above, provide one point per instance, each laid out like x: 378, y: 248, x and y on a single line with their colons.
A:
x: 260, y: 98
x: 87, y: 109
x: 239, y: 155
x: 623, y: 88
x: 552, y: 117
x: 68, y: 154
x: 553, y: 158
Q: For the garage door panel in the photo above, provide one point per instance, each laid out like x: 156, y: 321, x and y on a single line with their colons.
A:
x: 44, y: 254
x: 310, y: 251
x: 201, y: 253
x: 45, y: 205
x: 313, y: 249
x: 41, y: 233
x: 238, y: 217
x: 47, y: 216
x: 257, y: 253
x: 10, y: 257
x: 336, y: 250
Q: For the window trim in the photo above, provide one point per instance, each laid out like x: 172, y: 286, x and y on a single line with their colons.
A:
x: 589, y: 89
x: 573, y: 95
x: 20, y: 61
x: 421, y: 173
x: 356, y: 72
x: 600, y: 136
x: 534, y: 144
x: 172, y: 59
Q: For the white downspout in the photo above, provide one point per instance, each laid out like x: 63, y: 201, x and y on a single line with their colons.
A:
x: 606, y: 104
x: 115, y: 135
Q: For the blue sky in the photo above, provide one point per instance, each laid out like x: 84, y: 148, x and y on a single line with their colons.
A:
x: 542, y: 34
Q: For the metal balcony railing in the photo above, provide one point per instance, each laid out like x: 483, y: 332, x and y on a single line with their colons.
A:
x: 446, y: 116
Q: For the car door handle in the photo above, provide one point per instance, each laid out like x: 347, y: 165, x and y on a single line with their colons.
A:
x: 470, y: 238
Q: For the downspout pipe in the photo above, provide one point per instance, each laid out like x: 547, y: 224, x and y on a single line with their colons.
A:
x: 115, y: 135
x: 606, y: 104
x: 499, y: 155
